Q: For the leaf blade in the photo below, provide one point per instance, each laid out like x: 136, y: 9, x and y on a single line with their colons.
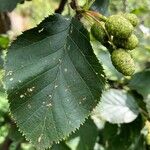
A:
x: 50, y: 92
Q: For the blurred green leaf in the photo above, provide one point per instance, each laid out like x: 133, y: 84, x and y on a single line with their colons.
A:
x: 141, y: 82
x: 140, y: 10
x: 87, y: 135
x: 124, y: 137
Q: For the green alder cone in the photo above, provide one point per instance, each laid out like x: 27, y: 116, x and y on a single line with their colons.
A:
x: 99, y: 33
x: 123, y: 62
x: 132, y: 18
x: 118, y: 26
x: 129, y: 44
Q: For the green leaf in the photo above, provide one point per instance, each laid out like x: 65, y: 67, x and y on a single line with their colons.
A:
x: 100, y: 6
x: 117, y: 106
x: 141, y: 83
x: 87, y: 135
x: 53, y: 80
x: 8, y: 5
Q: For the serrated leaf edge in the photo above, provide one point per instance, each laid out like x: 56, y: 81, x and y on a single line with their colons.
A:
x: 84, y: 120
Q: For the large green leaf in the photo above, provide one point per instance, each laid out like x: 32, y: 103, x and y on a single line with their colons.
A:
x: 118, y: 106
x: 53, y: 80
x: 8, y: 5
x: 87, y: 135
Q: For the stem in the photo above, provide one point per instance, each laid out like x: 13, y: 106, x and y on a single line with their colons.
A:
x: 74, y: 5
x: 61, y: 6
x: 97, y: 15
x: 124, y: 5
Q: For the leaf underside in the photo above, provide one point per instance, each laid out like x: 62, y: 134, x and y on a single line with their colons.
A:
x: 117, y: 106
x: 53, y: 80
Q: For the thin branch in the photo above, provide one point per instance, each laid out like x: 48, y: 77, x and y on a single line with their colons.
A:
x: 5, y: 23
x: 61, y: 6
x: 124, y: 5
x: 74, y: 5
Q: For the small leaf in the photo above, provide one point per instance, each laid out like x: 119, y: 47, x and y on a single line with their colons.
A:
x: 100, y: 6
x: 53, y: 80
x: 118, y: 106
x: 87, y: 135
